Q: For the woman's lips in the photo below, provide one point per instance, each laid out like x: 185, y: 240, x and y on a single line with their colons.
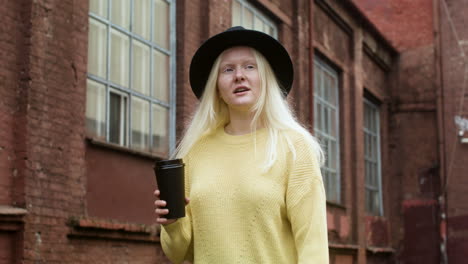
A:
x: 241, y: 90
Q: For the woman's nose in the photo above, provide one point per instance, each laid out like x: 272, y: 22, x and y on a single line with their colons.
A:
x: 239, y: 75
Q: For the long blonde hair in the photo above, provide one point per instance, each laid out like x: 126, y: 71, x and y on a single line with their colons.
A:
x: 271, y: 109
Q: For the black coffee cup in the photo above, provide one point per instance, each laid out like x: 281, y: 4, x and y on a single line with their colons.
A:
x: 171, y: 184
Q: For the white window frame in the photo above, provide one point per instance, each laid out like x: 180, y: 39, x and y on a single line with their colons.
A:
x: 245, y: 5
x: 372, y: 157
x: 333, y: 193
x: 128, y: 91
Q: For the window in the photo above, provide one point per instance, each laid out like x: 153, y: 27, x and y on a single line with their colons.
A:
x: 131, y: 69
x: 244, y: 14
x: 326, y: 125
x: 372, y: 159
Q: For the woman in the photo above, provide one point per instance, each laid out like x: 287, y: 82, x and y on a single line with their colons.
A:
x: 252, y: 172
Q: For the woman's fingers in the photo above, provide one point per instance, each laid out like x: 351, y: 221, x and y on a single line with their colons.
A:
x: 160, y: 203
x: 161, y: 212
x: 160, y: 220
x: 157, y: 192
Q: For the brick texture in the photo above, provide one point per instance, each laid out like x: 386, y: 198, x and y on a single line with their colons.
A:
x: 453, y: 51
x: 389, y: 16
x: 49, y: 168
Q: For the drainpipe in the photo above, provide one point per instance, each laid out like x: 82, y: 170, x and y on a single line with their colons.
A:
x: 438, y: 66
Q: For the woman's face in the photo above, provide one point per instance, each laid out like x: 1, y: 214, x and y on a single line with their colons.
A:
x: 238, y: 79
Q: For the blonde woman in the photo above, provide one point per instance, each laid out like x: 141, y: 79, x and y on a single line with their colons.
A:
x: 252, y: 171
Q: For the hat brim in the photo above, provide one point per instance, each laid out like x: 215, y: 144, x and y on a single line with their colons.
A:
x: 270, y: 48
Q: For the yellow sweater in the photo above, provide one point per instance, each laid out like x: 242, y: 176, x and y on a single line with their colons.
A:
x: 237, y: 214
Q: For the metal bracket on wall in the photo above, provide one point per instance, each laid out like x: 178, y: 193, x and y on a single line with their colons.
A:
x: 463, y: 138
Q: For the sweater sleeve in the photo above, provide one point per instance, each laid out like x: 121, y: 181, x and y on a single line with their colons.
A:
x: 176, y: 239
x: 306, y: 207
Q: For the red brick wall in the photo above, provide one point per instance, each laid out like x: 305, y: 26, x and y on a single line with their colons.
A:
x: 119, y: 186
x: 454, y: 80
x: 54, y: 121
x: 7, y: 247
x: 13, y: 40
x: 56, y: 168
x: 12, y: 111
x: 191, y: 25
x: 407, y: 24
x: 340, y: 37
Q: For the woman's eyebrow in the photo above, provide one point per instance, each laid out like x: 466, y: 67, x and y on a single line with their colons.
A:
x: 230, y: 63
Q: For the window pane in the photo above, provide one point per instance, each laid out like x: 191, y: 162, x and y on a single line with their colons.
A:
x: 327, y: 120
x: 118, y: 119
x: 140, y: 124
x: 332, y: 183
x: 258, y: 24
x: 141, y: 67
x: 333, y: 128
x: 326, y: 149
x: 161, y: 23
x: 236, y: 14
x: 97, y: 48
x: 161, y: 76
x: 130, y: 51
x: 271, y: 31
x: 246, y: 15
x: 333, y: 155
x: 95, y: 109
x: 372, y: 156
x: 160, y: 128
x: 248, y: 19
x: 319, y: 87
x: 98, y: 7
x: 327, y: 87
x: 333, y: 91
x: 121, y: 13
x: 141, y: 18
x: 318, y: 123
x: 316, y: 81
x: 119, y: 58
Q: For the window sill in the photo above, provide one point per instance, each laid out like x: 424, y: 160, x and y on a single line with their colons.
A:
x: 343, y: 247
x: 11, y: 218
x: 336, y: 205
x: 384, y: 250
x: 101, y: 143
x: 84, y: 227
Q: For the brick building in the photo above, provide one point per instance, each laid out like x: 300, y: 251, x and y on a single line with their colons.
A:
x: 92, y: 92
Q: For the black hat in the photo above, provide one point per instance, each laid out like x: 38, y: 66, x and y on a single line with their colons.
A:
x: 269, y: 47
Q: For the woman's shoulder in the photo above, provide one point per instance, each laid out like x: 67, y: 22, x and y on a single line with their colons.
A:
x: 298, y: 138
x: 304, y: 144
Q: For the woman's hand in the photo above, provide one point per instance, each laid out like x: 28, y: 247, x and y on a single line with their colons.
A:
x: 161, y: 213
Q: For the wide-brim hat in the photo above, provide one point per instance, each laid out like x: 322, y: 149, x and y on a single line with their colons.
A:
x: 269, y: 47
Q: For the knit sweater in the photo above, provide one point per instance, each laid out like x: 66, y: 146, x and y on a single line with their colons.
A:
x: 240, y: 214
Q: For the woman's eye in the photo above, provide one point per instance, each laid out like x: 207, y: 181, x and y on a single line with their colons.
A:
x: 250, y: 67
x: 228, y: 69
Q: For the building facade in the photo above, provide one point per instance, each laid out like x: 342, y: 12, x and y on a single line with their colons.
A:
x: 94, y: 92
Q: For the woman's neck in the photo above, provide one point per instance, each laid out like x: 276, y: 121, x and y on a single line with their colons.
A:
x: 240, y: 122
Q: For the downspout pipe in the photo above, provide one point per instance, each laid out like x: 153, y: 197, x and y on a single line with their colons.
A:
x: 439, y: 85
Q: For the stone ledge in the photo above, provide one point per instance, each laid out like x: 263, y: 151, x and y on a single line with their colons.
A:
x: 6, y: 210
x: 336, y: 246
x: 11, y: 218
x: 93, y: 228
x: 375, y: 250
